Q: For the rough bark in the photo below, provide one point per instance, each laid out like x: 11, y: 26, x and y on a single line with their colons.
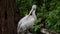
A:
x: 9, y: 17
x: 46, y: 31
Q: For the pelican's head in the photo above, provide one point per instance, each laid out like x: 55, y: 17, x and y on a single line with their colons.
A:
x: 33, y: 9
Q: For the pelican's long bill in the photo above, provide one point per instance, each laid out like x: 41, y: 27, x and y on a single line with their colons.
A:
x: 33, y: 8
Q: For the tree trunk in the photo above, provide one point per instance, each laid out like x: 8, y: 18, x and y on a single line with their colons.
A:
x: 9, y: 17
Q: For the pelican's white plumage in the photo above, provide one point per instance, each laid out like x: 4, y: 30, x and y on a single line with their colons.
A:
x: 27, y: 21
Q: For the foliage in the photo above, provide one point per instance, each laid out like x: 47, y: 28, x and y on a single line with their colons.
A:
x: 49, y: 9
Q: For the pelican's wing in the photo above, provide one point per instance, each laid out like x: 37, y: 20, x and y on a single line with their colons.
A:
x: 20, y: 22
x: 29, y: 21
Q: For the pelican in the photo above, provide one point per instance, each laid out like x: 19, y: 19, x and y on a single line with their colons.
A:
x: 28, y: 21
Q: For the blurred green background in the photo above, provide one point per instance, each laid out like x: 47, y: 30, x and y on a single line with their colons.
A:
x: 46, y: 9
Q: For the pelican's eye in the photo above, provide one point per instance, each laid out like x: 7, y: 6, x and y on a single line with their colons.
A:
x: 34, y: 9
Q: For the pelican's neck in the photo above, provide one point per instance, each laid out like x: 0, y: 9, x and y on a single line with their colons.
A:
x: 33, y: 14
x: 30, y: 11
